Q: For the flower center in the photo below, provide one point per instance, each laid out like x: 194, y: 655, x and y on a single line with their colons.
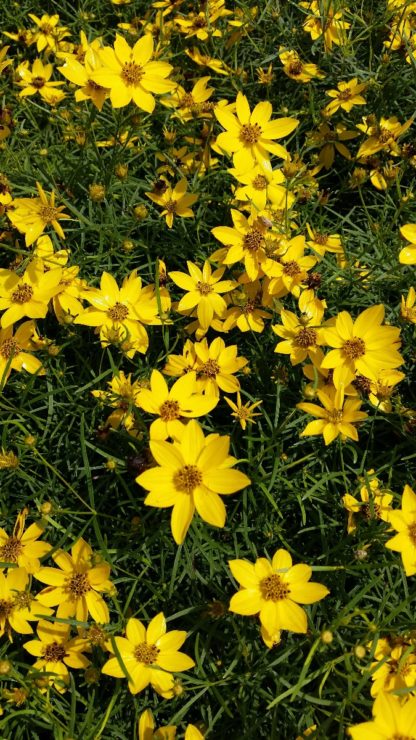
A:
x: 54, y: 653
x: 45, y: 28
x: 345, y: 94
x: 354, y: 348
x: 292, y: 268
x: 118, y: 312
x: 23, y: 599
x: 38, y: 82
x: 186, y: 101
x: 321, y: 239
x: 9, y: 348
x: 204, y: 288
x: 145, y: 653
x: 170, y: 206
x: 187, y: 478
x: 412, y: 532
x: 259, y: 182
x: 273, y: 588
x: 169, y: 410
x: 250, y: 133
x: 94, y: 85
x: 335, y: 416
x: 253, y: 240
x: 295, y: 68
x: 48, y: 214
x: 77, y: 585
x: 306, y: 338
x: 22, y: 294
x: 132, y: 73
x: 6, y: 607
x: 210, y: 368
x: 248, y: 307
x: 384, y: 135
x: 11, y: 550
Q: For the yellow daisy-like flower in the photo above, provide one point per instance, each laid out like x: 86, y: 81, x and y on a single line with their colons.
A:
x: 245, y: 311
x: 81, y: 75
x: 322, y: 243
x: 362, y: 346
x: 407, y: 255
x: 76, y: 585
x: 123, y: 397
x: 16, y: 351
x: 273, y: 590
x: 334, y: 416
x: 382, y: 389
x: 382, y: 135
x: 181, y: 401
x: 8, y: 460
x: 297, y: 70
x: 292, y: 269
x: 192, y: 474
x: 174, y: 201
x: 204, y: 288
x: 31, y: 216
x: 250, y: 136
x: 130, y: 75
x: 244, y: 413
x: 17, y: 605
x: 4, y: 62
x: 394, y: 667
x: 191, y: 105
x: 246, y: 243
x: 408, y: 307
x: 346, y: 96
x: 22, y: 547
x: 38, y: 80
x: 28, y: 294
x: 262, y: 185
x: 146, y: 729
x: 301, y: 335
x: 404, y: 522
x: 217, y: 364
x: 375, y: 502
x: 148, y: 656
x: 393, y: 718
x: 48, y: 32
x: 326, y: 21
x: 56, y: 652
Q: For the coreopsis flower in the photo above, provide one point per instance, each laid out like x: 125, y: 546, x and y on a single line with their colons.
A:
x: 362, y: 346
x: 38, y: 80
x: 67, y: 302
x: 274, y: 590
x: 382, y: 389
x: 173, y: 405
x: 22, y: 548
x: 203, y: 25
x: 408, y: 308
x: 291, y: 271
x: 27, y: 295
x: 3, y: 61
x: 122, y: 395
x: 48, y: 33
x: 18, y: 606
x: 146, y: 729
x: 297, y: 70
x: 8, y: 460
x: 175, y: 201
x: 243, y: 412
x: 326, y: 21
x: 345, y: 97
x: 407, y: 255
x: 56, y: 651
x: 393, y: 718
x: 75, y: 586
x: 404, y: 522
x: 330, y: 140
x: 192, y: 474
x: 265, y: 76
x: 178, y: 365
x: 190, y: 105
x: 246, y: 242
x: 375, y: 502
x: 81, y: 75
x: 148, y: 656
x: 216, y: 366
x: 120, y: 314
x: 204, y: 60
x: 31, y: 216
x: 382, y: 135
x: 245, y: 310
x: 250, y: 136
x: 44, y: 250
x: 334, y: 416
x: 261, y: 185
x: 322, y: 243
x: 130, y: 75
x: 301, y: 335
x: 204, y: 291
x: 394, y: 667
x: 16, y: 351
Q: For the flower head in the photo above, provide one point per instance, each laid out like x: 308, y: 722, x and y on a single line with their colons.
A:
x: 393, y: 719
x: 31, y: 216
x: 56, y: 651
x: 404, y: 522
x: 22, y: 548
x: 175, y: 201
x: 26, y: 295
x: 335, y: 417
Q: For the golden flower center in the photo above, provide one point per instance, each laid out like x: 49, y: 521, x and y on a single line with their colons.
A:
x: 169, y: 411
x: 9, y: 348
x: 6, y: 607
x: 250, y: 133
x: 23, y: 599
x: 170, y: 206
x: 118, y: 312
x: 54, y: 653
x: 295, y: 68
x: 335, y: 416
x: 38, y: 82
x: 259, y: 182
x: 199, y: 22
x: 321, y: 239
x: 204, y: 288
x: 345, y: 94
x: 273, y: 588
x: 22, y: 294
x: 96, y: 635
x: 384, y: 135
x: 412, y: 532
x: 292, y: 268
x: 77, y: 585
x: 145, y: 653
x: 354, y: 348
x: 11, y: 550
x: 306, y: 338
x: 132, y: 73
x: 48, y: 214
x: 248, y: 307
x: 45, y: 28
x: 186, y: 101
x: 210, y: 368
x: 187, y: 478
x: 253, y: 240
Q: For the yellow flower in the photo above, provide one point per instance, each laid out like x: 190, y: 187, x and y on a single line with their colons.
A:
x: 334, y: 417
x: 297, y: 70
x: 146, y: 729
x: 323, y: 20
x: 48, y: 32
x: 203, y: 60
x: 202, y: 25
x: 130, y: 75
x: 407, y: 255
x: 404, y: 522
x: 262, y: 185
x: 393, y: 718
x: 347, y: 95
x: 192, y: 473
x: 32, y: 215
x: 330, y: 140
x: 322, y: 243
x: 244, y: 413
x: 38, y: 80
x: 190, y: 105
x: 245, y: 312
x: 246, y: 242
x: 249, y: 135
x: 8, y: 460
x: 362, y: 346
x: 175, y: 201
x: 291, y: 271
x: 216, y: 365
x: 22, y: 547
x: 301, y: 335
x: 204, y: 288
x: 27, y: 295
x: 180, y: 364
x: 408, y: 309
x: 4, y: 62
x: 181, y: 401
x: 265, y: 76
x: 274, y: 590
x: 381, y: 135
x: 81, y: 75
x: 16, y: 351
x: 123, y: 397
x: 55, y: 652
x: 119, y: 314
x: 75, y: 585
x: 17, y: 605
x: 148, y: 656
x: 394, y: 667
x: 375, y: 502
x: 382, y: 389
